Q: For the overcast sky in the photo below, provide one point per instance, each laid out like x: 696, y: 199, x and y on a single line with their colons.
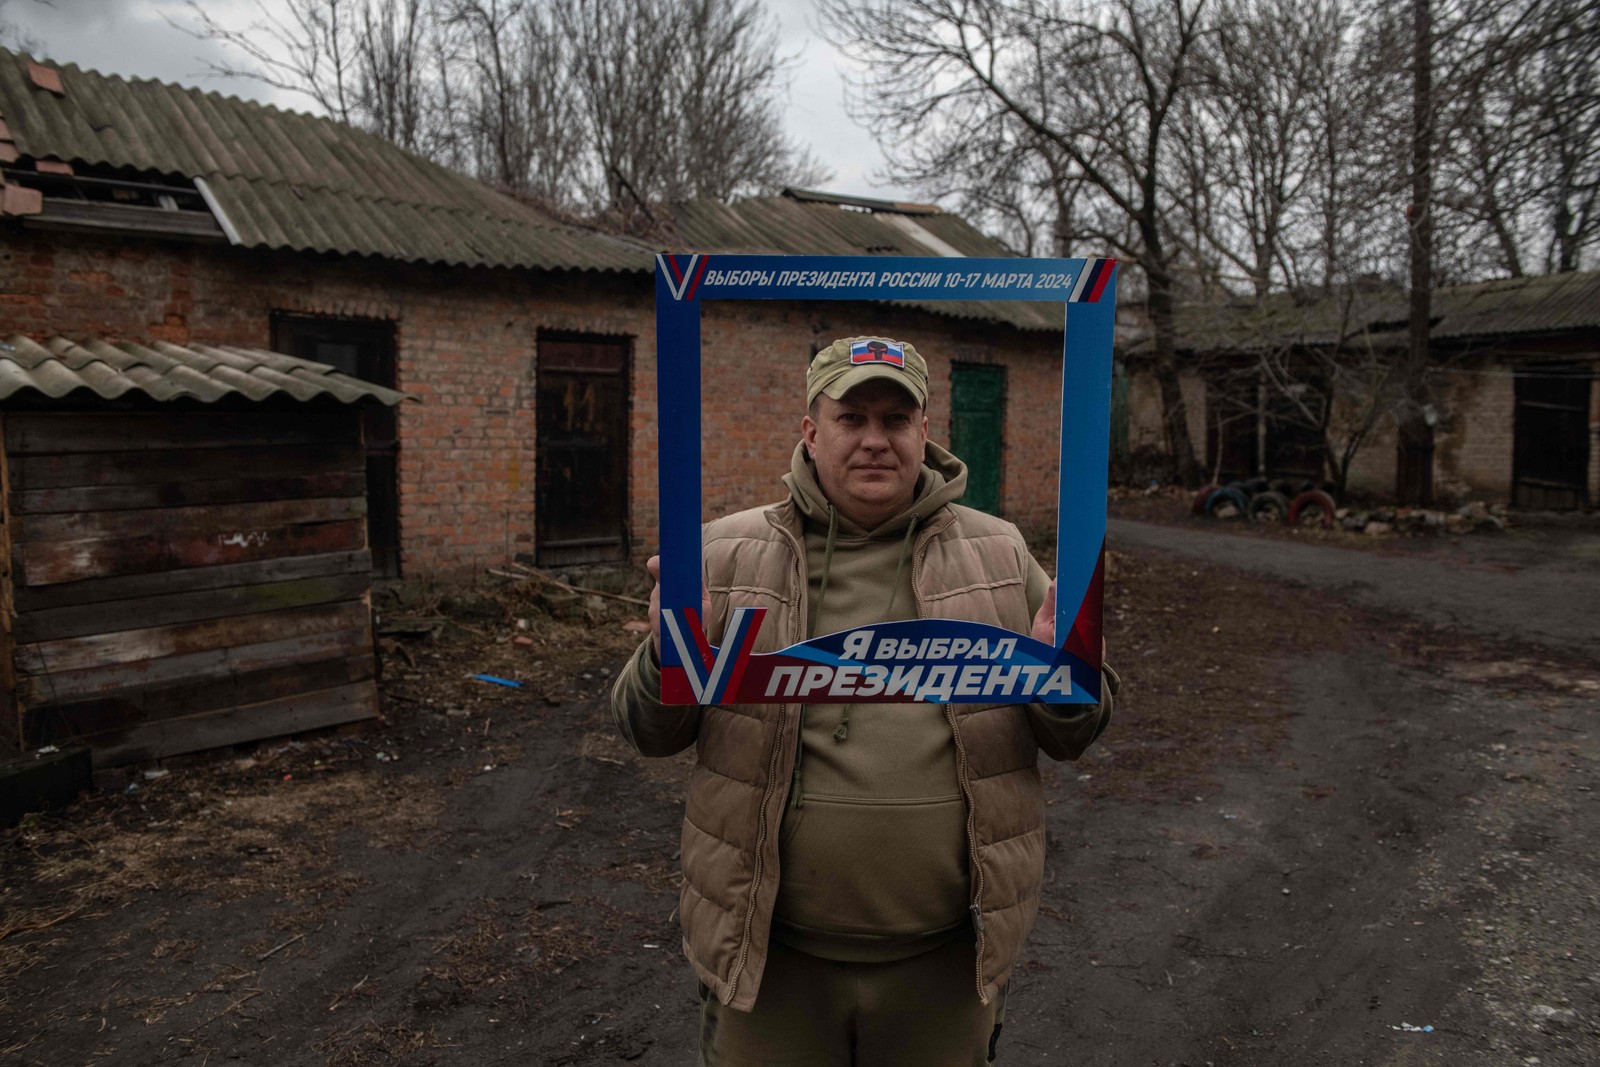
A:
x: 134, y: 38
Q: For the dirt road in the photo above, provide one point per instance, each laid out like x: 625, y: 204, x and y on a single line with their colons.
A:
x: 1536, y: 587
x: 1334, y: 811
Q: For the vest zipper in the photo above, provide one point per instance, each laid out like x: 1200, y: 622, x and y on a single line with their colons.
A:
x: 976, y: 907
x: 766, y: 796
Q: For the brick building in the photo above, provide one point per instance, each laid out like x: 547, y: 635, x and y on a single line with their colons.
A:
x: 1515, y: 377
x: 140, y: 211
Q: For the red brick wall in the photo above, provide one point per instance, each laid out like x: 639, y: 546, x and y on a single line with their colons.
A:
x: 757, y: 354
x: 467, y: 341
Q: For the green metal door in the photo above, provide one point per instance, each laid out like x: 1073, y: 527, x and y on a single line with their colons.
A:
x: 977, y: 404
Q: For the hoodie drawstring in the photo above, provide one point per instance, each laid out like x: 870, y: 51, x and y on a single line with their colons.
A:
x: 842, y: 731
x: 827, y: 559
x: 900, y: 565
x: 796, y: 791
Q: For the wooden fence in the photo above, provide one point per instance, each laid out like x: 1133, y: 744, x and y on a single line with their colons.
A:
x: 183, y: 579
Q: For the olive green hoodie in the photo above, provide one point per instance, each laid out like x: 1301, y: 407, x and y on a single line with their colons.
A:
x: 873, y: 853
x: 873, y: 849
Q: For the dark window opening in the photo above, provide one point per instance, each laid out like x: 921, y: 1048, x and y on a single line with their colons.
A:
x: 1255, y: 428
x: 1550, y: 446
x: 365, y: 349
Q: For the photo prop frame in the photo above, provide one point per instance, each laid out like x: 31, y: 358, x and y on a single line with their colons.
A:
x: 933, y: 660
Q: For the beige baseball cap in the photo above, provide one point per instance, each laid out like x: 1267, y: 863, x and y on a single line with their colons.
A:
x: 850, y: 361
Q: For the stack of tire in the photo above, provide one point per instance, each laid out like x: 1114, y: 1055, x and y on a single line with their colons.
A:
x: 1268, y: 500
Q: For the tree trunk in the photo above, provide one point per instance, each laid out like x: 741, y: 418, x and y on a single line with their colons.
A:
x: 1185, y: 467
x: 1414, y: 461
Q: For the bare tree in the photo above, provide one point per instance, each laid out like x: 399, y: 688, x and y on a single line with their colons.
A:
x: 728, y: 75
x: 510, y: 111
x: 308, y: 49
x: 1518, y: 85
x: 1354, y: 202
x: 1567, y: 94
x: 1088, y: 89
x: 1247, y: 139
x: 626, y: 52
x: 391, y: 77
x: 600, y: 105
x: 680, y: 100
x: 12, y: 36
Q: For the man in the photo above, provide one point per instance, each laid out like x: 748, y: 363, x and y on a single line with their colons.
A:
x: 859, y: 879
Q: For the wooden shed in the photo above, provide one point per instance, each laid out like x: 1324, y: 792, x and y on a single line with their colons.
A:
x: 187, y: 546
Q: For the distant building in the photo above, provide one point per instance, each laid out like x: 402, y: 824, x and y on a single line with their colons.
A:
x: 1514, y: 372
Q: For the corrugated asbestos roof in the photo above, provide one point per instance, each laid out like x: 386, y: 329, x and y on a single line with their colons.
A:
x: 1501, y: 308
x: 1568, y: 301
x: 766, y: 225
x: 286, y: 180
x: 165, y: 371
x: 292, y: 181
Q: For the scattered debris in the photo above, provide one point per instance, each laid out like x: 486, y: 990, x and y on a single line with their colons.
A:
x: 1408, y: 1028
x: 1552, y: 1018
x: 278, y: 948
x: 528, y: 572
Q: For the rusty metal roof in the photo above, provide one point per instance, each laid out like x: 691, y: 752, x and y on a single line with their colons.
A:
x: 802, y: 223
x: 164, y: 371
x: 1504, y: 307
x: 286, y: 180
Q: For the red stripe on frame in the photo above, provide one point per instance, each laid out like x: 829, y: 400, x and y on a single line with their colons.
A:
x: 697, y: 631
x: 742, y: 656
x: 1084, y: 640
x: 677, y: 271
x: 1106, y: 267
x: 699, y: 275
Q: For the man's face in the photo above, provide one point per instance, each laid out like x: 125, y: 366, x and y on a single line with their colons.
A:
x: 868, y: 450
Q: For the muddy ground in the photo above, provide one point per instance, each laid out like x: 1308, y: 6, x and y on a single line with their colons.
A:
x: 1320, y: 825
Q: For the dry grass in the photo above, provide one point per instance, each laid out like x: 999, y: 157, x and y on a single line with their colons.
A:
x: 275, y: 839
x: 265, y: 838
x: 371, y: 1043
x: 472, y: 958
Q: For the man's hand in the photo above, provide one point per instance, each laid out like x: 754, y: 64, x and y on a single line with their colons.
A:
x: 1044, y: 623
x: 653, y: 565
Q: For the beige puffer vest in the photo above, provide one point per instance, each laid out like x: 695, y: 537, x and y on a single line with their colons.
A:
x: 964, y: 565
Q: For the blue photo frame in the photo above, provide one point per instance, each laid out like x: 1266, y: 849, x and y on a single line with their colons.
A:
x: 937, y: 660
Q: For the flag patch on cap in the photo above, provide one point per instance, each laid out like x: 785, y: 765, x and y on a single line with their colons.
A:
x: 891, y: 352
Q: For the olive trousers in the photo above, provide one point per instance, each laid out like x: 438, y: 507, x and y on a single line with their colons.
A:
x: 811, y: 1012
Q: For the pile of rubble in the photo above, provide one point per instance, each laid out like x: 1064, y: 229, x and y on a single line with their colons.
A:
x: 1476, y: 517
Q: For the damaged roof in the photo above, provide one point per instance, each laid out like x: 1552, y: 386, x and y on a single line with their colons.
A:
x: 163, y: 371
x: 286, y: 180
x: 1504, y: 307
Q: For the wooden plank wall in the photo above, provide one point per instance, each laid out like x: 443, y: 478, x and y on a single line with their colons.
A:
x: 183, y: 580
